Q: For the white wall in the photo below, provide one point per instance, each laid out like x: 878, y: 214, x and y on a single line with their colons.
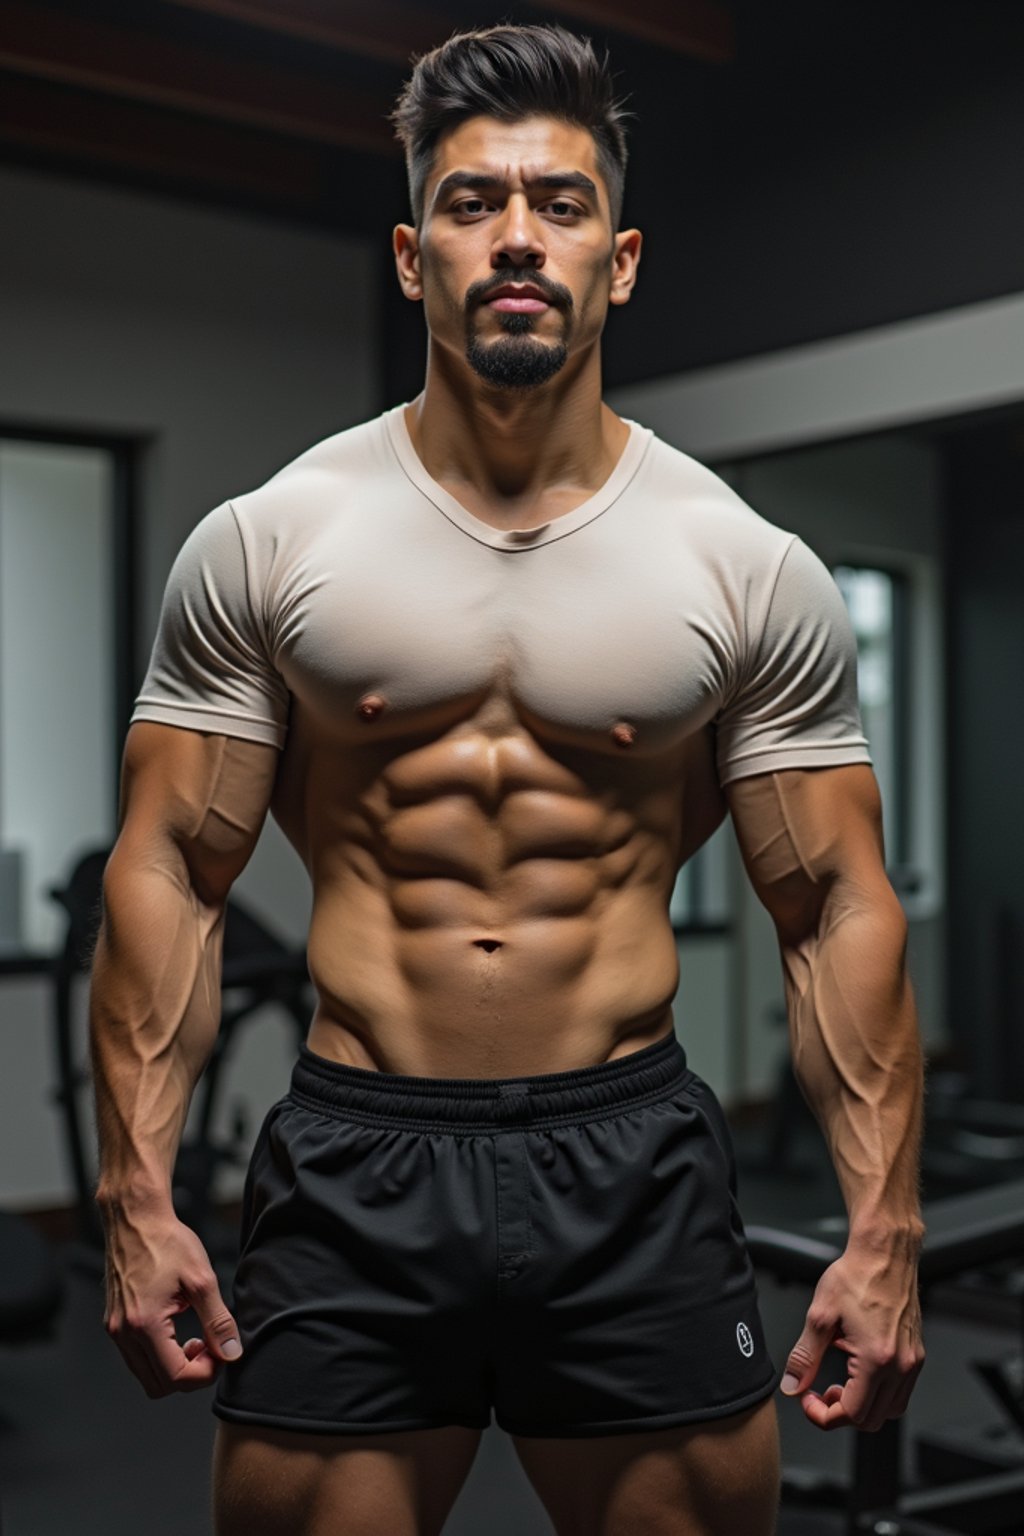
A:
x: 231, y: 342
x: 966, y: 359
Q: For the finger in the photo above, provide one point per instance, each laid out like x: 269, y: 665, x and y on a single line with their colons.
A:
x: 195, y: 1350
x: 174, y: 1370
x: 895, y: 1382
x: 860, y: 1396
x: 825, y: 1410
x: 220, y: 1330
x: 139, y: 1362
x: 901, y: 1401
x: 873, y: 1400
x: 199, y: 1375
x: 882, y: 1408
x: 840, y: 1406
x: 804, y: 1360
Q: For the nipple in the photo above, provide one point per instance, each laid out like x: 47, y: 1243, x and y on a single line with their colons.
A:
x: 623, y: 735
x: 371, y: 706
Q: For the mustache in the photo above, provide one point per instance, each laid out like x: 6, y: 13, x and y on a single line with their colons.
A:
x: 555, y: 293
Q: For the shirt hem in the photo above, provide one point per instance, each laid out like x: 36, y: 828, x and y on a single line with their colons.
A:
x: 212, y: 722
x: 839, y: 753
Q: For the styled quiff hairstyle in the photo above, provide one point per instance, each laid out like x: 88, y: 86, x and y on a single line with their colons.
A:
x: 510, y: 73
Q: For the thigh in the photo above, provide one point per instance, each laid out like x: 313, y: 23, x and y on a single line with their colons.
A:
x: 271, y: 1482
x: 712, y: 1479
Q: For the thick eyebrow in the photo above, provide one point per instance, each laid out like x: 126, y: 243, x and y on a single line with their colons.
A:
x: 476, y: 181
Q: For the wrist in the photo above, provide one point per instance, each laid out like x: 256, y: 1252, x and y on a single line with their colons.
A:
x: 888, y: 1234
x: 129, y: 1198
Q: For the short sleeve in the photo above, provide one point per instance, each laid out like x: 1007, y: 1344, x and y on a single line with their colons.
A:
x: 210, y: 669
x: 795, y: 701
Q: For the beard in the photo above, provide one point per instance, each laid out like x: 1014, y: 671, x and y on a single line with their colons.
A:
x: 516, y: 360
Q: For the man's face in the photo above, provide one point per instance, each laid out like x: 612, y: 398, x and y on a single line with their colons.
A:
x: 515, y: 258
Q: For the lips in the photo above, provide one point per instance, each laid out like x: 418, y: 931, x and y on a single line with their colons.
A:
x: 519, y: 306
x: 518, y: 298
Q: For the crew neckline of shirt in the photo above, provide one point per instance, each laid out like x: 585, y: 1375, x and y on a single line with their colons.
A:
x: 516, y: 538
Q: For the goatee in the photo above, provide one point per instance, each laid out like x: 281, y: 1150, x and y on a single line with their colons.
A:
x: 516, y: 360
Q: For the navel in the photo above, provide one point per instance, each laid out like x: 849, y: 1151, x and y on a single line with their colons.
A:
x: 370, y: 706
x: 490, y: 945
x: 623, y: 735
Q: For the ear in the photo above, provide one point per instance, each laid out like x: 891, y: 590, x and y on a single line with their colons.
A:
x: 625, y: 260
x: 406, y: 243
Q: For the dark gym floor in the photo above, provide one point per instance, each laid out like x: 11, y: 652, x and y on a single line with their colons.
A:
x: 83, y: 1451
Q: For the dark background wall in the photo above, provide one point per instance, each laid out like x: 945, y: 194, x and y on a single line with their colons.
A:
x: 830, y: 165
x: 856, y: 164
x: 985, y: 507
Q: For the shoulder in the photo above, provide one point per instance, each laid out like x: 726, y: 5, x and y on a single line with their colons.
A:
x: 318, y: 478
x: 740, y: 543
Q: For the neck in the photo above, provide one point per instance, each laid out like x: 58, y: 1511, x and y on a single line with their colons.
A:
x: 512, y: 446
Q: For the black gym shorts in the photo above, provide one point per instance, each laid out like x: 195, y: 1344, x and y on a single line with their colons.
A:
x: 566, y: 1247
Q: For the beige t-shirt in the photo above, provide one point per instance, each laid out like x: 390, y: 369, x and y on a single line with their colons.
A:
x: 663, y: 602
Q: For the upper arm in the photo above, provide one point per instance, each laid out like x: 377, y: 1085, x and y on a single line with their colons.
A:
x: 793, y: 701
x: 193, y: 804
x: 808, y: 836
x: 202, y: 750
x: 212, y: 667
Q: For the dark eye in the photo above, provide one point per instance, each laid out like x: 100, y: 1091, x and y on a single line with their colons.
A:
x: 470, y: 205
x: 561, y: 208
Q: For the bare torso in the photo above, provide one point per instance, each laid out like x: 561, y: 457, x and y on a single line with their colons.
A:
x: 488, y: 906
x: 490, y: 898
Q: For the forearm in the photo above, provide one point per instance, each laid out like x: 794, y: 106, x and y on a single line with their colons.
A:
x: 857, y: 1057
x: 154, y: 1011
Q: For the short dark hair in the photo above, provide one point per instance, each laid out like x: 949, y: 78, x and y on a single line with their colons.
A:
x: 511, y: 73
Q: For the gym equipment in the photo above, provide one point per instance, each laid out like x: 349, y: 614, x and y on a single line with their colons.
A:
x: 257, y: 969
x: 969, y: 1140
x: 963, y: 1232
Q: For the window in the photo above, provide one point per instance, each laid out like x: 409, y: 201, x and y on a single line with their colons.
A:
x: 877, y: 604
x: 66, y: 667
x: 700, y: 897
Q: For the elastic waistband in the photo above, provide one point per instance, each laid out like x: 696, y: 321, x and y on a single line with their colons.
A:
x: 550, y: 1098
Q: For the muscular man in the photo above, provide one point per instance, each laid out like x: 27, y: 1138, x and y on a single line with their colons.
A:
x: 500, y: 662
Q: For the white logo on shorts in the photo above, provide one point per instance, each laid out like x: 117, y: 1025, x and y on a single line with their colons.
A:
x: 745, y: 1340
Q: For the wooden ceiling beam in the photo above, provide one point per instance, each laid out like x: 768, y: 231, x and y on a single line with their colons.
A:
x: 387, y: 30
x: 126, y: 62
x: 90, y: 132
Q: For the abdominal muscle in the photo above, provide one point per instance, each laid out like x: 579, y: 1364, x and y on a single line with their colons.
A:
x: 490, y: 999
x: 480, y: 911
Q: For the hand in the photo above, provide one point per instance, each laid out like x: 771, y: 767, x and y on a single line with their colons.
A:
x: 156, y: 1268
x: 866, y: 1305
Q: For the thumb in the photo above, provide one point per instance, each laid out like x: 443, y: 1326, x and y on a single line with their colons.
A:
x: 804, y: 1360
x: 219, y: 1328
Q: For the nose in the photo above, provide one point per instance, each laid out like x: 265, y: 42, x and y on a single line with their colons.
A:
x: 518, y: 237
